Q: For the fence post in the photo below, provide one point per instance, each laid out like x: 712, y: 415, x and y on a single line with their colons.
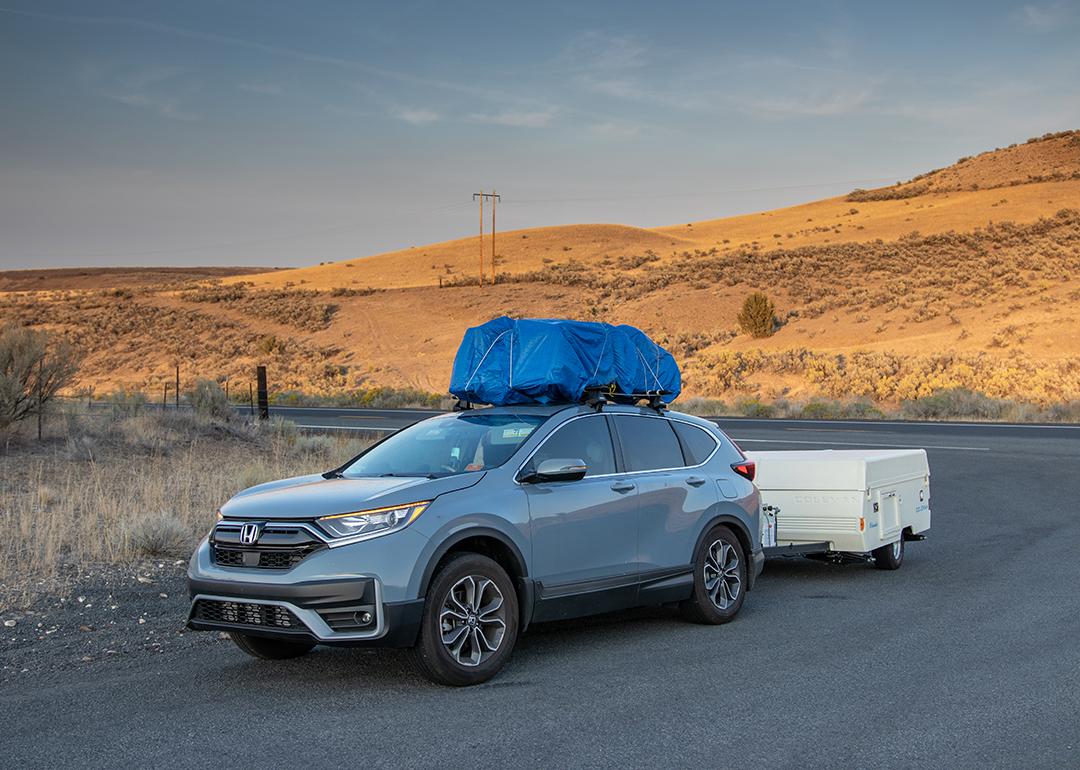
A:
x: 177, y: 394
x: 264, y: 398
x: 164, y: 396
x: 40, y: 396
x: 251, y: 400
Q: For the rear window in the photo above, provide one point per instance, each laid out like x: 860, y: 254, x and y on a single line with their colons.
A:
x: 697, y: 442
x: 649, y: 443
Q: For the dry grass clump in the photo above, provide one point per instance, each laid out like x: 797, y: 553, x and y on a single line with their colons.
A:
x: 890, y: 377
x: 299, y: 308
x: 141, y: 485
x: 894, y: 193
x: 373, y: 398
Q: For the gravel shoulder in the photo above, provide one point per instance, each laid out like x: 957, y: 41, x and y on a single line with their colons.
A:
x: 98, y: 615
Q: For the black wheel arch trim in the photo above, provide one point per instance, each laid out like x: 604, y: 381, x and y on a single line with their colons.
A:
x: 741, y: 531
x: 526, y: 589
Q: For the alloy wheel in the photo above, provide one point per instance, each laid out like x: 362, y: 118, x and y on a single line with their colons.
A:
x: 473, y: 620
x: 722, y: 581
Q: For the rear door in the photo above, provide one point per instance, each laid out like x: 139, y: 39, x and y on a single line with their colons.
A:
x: 673, y: 495
x: 584, y: 532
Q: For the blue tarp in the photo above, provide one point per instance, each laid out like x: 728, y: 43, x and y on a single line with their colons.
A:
x: 548, y: 361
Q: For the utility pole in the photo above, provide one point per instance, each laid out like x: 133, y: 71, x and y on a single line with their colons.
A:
x: 481, y: 195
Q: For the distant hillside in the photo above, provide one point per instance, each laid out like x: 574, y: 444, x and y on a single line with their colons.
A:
x: 52, y: 279
x: 963, y: 277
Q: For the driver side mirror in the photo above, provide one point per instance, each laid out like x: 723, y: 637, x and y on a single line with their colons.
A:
x: 557, y: 469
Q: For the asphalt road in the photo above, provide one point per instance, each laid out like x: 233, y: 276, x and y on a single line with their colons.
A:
x: 968, y: 656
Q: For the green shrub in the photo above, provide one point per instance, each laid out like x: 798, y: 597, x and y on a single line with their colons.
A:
x: 955, y: 403
x: 123, y: 403
x: 758, y: 315
x: 209, y: 401
x: 820, y: 410
x: 752, y: 407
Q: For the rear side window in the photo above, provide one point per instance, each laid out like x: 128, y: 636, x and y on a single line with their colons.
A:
x: 697, y: 442
x: 649, y: 443
x: 587, y: 438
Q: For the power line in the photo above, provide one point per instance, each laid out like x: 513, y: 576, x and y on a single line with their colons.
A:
x: 731, y: 191
x: 352, y: 227
x: 233, y: 244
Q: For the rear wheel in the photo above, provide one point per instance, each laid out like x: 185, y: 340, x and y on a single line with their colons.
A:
x: 719, y: 579
x: 470, y: 622
x: 270, y: 649
x: 889, y: 556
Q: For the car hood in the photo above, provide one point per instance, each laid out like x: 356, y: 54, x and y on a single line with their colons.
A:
x: 307, y: 497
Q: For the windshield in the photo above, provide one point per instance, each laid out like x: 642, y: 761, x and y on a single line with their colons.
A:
x: 445, y: 446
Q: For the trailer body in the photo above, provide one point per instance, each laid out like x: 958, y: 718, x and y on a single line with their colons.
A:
x: 852, y: 501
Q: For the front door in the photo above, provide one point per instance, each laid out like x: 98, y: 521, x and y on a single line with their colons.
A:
x: 584, y: 533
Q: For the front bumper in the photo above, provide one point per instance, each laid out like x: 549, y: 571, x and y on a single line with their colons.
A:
x: 322, y: 598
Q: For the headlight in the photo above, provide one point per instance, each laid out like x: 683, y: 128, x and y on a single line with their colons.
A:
x: 378, y: 521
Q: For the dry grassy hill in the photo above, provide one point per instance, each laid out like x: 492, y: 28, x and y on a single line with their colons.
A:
x: 963, y: 277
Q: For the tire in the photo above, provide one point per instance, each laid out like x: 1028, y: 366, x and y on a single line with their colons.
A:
x: 270, y: 649
x: 470, y: 622
x: 889, y: 556
x: 719, y: 591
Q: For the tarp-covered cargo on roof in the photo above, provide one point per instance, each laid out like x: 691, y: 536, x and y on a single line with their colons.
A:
x: 547, y: 361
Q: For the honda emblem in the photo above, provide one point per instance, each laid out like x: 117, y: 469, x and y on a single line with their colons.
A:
x: 249, y: 533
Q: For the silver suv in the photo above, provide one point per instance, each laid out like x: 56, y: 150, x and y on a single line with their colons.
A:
x: 451, y: 536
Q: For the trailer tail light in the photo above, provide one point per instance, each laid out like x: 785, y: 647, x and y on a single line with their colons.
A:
x: 747, y: 469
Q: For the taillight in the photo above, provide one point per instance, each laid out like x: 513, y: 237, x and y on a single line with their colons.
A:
x: 747, y: 469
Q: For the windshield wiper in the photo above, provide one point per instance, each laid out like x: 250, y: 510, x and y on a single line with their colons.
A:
x: 334, y: 474
x: 408, y: 475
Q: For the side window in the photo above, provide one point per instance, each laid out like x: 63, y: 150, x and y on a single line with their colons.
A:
x: 587, y: 438
x: 649, y: 443
x: 697, y: 443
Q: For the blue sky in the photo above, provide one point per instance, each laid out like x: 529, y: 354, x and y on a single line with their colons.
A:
x: 290, y: 133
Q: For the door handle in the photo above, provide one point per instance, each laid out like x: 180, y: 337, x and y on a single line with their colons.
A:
x: 695, y: 481
x: 622, y: 486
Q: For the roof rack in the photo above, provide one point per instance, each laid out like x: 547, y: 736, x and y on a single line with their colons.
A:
x: 597, y: 397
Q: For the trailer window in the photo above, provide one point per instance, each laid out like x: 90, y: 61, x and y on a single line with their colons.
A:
x: 648, y: 443
x: 697, y: 442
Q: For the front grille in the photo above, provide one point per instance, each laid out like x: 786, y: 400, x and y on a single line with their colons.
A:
x: 246, y: 614
x: 279, y: 558
x: 278, y: 546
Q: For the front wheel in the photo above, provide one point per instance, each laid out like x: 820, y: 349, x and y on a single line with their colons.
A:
x: 889, y: 556
x: 470, y: 622
x: 270, y: 649
x: 719, y: 579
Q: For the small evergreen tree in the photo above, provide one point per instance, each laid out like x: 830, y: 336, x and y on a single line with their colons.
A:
x: 757, y: 317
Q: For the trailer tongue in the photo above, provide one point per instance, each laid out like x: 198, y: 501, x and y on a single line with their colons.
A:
x: 838, y: 503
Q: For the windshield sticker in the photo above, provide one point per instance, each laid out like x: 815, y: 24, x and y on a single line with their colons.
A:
x: 516, y: 432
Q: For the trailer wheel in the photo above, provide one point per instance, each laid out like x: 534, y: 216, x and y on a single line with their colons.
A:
x: 719, y: 579
x: 889, y: 556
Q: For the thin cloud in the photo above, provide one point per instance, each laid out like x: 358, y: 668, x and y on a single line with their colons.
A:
x: 516, y: 119
x: 160, y: 90
x: 1048, y: 16
x: 417, y: 116
x: 840, y: 102
x: 621, y: 130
